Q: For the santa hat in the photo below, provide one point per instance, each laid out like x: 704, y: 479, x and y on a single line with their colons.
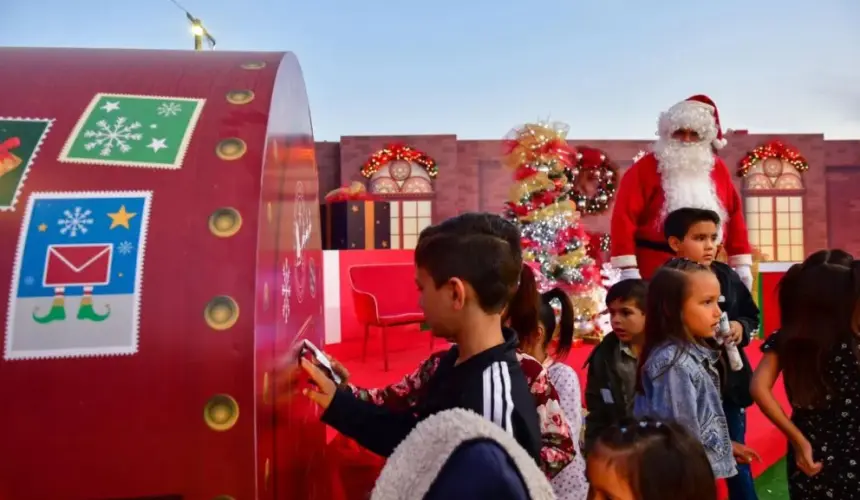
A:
x: 705, y: 101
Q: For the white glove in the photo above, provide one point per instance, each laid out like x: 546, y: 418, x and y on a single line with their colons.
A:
x: 631, y: 273
x: 745, y: 274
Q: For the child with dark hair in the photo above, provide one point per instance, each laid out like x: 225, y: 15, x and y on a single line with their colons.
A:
x: 679, y: 377
x: 612, y: 365
x: 549, y: 342
x: 466, y: 282
x: 649, y: 460
x: 694, y: 233
x: 817, y: 352
x: 558, y: 447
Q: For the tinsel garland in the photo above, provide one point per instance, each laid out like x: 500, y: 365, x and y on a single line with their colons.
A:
x: 399, y: 152
x: 773, y: 149
x: 605, y: 242
x: 554, y: 241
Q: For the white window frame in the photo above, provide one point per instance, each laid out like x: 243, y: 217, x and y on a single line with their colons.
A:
x: 409, y: 216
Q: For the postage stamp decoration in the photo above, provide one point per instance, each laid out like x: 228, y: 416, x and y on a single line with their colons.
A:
x: 20, y: 141
x: 76, y: 286
x: 134, y: 131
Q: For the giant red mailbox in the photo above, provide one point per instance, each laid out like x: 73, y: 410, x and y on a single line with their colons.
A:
x: 161, y: 254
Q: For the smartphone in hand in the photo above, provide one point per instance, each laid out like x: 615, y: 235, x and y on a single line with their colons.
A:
x: 316, y: 356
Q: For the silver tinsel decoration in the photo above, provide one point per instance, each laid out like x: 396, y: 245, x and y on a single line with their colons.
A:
x: 544, y: 231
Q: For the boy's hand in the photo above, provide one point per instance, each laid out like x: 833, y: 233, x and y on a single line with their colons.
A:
x: 338, y: 368
x: 325, y: 387
x: 736, y: 332
x: 287, y: 378
x: 744, y: 454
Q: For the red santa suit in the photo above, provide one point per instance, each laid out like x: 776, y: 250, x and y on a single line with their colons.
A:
x: 675, y: 175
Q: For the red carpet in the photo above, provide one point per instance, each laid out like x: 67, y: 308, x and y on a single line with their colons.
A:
x: 408, y: 347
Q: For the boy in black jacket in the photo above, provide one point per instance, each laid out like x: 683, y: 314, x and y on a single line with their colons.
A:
x: 613, y: 363
x: 692, y: 233
x: 466, y: 280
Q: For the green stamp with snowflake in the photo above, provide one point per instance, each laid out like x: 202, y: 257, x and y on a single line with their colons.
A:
x: 133, y: 131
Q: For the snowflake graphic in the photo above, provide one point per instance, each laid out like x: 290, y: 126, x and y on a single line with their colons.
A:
x: 117, y: 135
x: 169, y: 109
x: 75, y: 221
x: 285, y: 291
x: 125, y: 247
x: 29, y: 281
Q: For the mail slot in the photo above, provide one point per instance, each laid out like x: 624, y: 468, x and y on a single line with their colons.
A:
x: 160, y: 214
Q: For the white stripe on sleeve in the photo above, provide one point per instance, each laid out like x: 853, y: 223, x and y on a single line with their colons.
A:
x: 487, y: 392
x: 509, y: 400
x: 498, y: 402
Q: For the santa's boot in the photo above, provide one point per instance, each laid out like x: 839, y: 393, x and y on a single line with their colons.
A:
x: 87, y: 312
x: 57, y: 311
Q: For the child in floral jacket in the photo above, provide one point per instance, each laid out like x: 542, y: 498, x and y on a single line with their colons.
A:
x: 557, y: 449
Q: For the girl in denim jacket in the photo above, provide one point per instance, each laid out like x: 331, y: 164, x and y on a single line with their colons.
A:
x: 679, y: 373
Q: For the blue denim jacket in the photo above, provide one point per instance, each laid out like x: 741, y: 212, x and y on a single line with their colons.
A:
x: 680, y: 383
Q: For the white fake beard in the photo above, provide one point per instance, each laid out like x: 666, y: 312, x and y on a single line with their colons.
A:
x: 685, y: 169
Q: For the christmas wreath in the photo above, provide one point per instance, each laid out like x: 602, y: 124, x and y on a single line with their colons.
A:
x: 773, y: 149
x: 592, y: 165
x: 399, y: 152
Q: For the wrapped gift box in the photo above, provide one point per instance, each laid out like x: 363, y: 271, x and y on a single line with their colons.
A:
x: 356, y: 225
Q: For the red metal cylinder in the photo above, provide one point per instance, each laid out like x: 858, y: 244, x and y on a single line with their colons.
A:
x: 159, y: 213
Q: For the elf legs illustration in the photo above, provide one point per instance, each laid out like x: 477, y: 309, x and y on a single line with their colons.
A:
x: 86, y: 311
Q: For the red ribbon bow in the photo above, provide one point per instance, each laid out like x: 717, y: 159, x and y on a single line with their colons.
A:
x: 7, y: 145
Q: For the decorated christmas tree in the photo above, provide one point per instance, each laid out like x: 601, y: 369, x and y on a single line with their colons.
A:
x: 546, y: 201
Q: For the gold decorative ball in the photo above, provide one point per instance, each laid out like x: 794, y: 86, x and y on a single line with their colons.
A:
x: 221, y: 312
x: 225, y: 222
x: 221, y: 412
x: 253, y: 65
x: 240, y: 97
x: 231, y: 149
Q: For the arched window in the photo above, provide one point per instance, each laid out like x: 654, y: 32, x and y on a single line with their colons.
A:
x: 774, y: 192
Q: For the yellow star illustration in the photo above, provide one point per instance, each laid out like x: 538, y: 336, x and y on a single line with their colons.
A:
x: 43, y: 227
x: 120, y: 218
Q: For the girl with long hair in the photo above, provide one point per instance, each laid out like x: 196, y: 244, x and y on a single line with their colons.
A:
x: 816, y: 351
x: 679, y: 375
x: 548, y: 338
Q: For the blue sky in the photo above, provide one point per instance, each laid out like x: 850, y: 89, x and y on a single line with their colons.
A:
x: 476, y: 68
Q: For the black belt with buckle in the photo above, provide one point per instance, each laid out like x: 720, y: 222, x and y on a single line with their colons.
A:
x: 661, y: 246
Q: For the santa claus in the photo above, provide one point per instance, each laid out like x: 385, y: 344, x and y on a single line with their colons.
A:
x: 682, y: 170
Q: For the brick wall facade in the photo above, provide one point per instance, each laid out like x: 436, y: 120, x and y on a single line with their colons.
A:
x: 472, y: 177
